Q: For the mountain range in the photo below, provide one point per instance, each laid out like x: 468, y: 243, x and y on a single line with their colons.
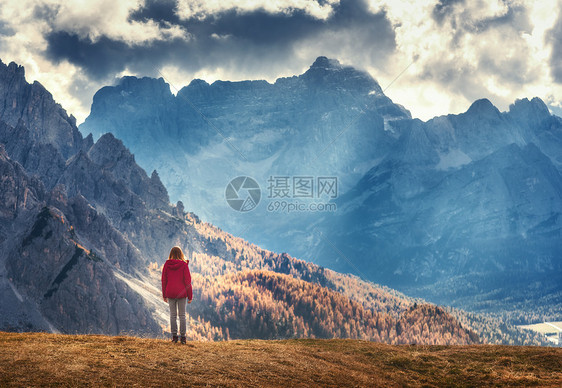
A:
x: 206, y: 135
x: 461, y: 209
x: 84, y: 233
x: 465, y: 211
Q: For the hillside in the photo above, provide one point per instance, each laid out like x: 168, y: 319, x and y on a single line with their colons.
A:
x: 290, y: 307
x: 67, y: 360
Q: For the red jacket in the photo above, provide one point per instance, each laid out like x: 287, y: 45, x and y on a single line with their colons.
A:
x: 176, y: 280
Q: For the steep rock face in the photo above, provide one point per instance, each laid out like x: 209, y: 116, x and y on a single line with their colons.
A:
x: 19, y: 193
x: 529, y: 114
x: 20, y: 196
x: 497, y: 219
x: 82, y: 176
x: 59, y: 254
x: 285, y: 128
x: 542, y: 127
x: 50, y: 277
x: 111, y: 155
x: 34, y: 106
x: 42, y: 160
x: 114, y: 197
x: 72, y: 286
x: 94, y: 228
x: 105, y: 174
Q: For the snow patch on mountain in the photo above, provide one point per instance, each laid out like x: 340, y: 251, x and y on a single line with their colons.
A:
x: 452, y: 159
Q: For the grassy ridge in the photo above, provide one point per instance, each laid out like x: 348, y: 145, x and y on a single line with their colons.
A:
x: 40, y: 359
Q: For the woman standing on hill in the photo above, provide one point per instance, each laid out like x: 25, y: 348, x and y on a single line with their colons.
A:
x: 176, y: 288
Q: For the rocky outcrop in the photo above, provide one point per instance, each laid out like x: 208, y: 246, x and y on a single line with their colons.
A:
x: 34, y: 106
x: 112, y: 156
x: 19, y: 194
x: 74, y: 287
x: 59, y: 254
x: 40, y: 159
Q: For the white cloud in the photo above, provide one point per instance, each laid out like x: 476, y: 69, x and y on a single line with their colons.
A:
x: 202, y: 9
x: 92, y: 19
x: 471, y: 54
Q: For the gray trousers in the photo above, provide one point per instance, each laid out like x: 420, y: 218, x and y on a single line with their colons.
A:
x: 177, y: 306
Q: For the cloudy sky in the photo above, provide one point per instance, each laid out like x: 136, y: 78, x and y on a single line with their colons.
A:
x: 452, y: 51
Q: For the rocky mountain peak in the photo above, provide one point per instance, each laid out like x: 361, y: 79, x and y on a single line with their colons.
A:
x: 14, y: 68
x: 196, y: 82
x: 155, y: 177
x: 329, y: 73
x: 113, y: 157
x: 35, y: 108
x: 531, y: 113
x: 326, y: 63
x: 88, y: 142
x: 146, y: 84
x: 535, y: 105
x: 483, y: 107
x: 158, y: 193
x: 108, y: 150
x: 145, y: 89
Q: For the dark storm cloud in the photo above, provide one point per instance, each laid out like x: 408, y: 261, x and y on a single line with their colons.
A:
x: 228, y: 39
x: 554, y: 37
x: 261, y: 27
x: 160, y: 11
x: 106, y: 56
x: 6, y: 30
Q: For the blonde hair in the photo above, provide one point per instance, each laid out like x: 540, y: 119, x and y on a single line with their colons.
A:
x: 176, y: 254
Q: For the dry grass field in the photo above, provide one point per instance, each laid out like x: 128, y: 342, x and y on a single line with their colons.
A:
x: 40, y: 359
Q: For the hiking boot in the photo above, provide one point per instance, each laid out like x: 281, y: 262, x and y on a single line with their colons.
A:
x: 175, y: 339
x: 183, y: 340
